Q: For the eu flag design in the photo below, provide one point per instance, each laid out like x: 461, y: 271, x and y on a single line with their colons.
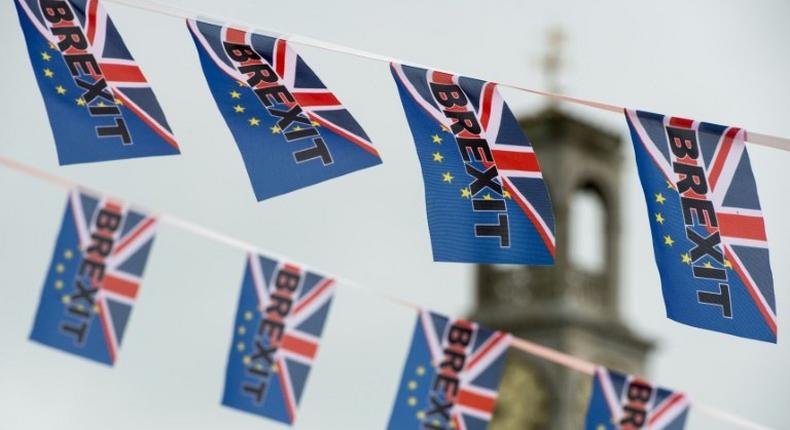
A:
x: 279, y: 321
x: 94, y: 277
x: 624, y: 402
x: 708, y: 230
x: 451, y: 375
x: 100, y: 105
x: 292, y: 131
x: 484, y: 191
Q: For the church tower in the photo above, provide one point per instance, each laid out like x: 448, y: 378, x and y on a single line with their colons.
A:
x: 572, y: 306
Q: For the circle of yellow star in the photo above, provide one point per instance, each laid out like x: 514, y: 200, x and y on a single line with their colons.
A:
x: 660, y: 198
x: 412, y: 385
x: 240, y: 346
x: 60, y: 268
x: 437, y: 156
x: 487, y: 197
x: 80, y: 101
x: 275, y: 368
x: 246, y: 360
x: 447, y: 177
x: 670, y: 185
x: 67, y: 254
x: 315, y: 123
x: 420, y: 370
x: 60, y: 89
x: 45, y: 56
x: 239, y: 108
x: 66, y: 299
x: 254, y: 121
x: 668, y: 240
x: 412, y: 401
x: 119, y: 102
x: 506, y: 195
x: 659, y: 218
x: 685, y: 258
x: 242, y: 329
x: 465, y: 193
x: 436, y: 139
x: 58, y: 284
x: 49, y: 73
x: 235, y: 94
x: 275, y: 129
x: 707, y: 265
x: 420, y: 415
x: 445, y: 129
x: 297, y: 128
x: 248, y: 315
x: 240, y: 83
x: 727, y: 264
x: 101, y: 104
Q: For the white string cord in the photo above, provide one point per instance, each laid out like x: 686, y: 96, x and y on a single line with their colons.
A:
x: 546, y: 353
x: 153, y: 6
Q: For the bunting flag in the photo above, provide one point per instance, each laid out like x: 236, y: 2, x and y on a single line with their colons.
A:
x: 708, y: 230
x: 94, y: 277
x: 451, y: 375
x: 292, y: 132
x: 624, y: 402
x: 484, y: 191
x: 100, y: 105
x: 279, y: 321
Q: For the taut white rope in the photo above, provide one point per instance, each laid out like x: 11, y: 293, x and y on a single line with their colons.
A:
x: 152, y: 6
x: 546, y: 353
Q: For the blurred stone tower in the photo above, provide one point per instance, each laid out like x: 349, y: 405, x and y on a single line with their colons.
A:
x: 572, y: 306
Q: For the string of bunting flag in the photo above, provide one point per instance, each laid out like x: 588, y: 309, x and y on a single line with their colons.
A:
x: 486, y: 202
x: 106, y: 284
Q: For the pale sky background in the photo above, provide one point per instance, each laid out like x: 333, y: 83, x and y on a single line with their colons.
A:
x: 719, y: 61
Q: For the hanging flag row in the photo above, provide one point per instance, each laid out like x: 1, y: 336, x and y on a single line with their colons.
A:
x: 451, y: 371
x: 485, y: 196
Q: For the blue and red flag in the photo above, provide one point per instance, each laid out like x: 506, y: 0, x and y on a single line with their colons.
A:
x: 624, y: 402
x: 451, y: 376
x: 279, y: 321
x: 94, y: 277
x: 708, y: 230
x: 99, y: 103
x: 292, y: 131
x: 484, y: 191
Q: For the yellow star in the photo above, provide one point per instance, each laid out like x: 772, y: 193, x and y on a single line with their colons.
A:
x: 297, y: 128
x: 80, y: 101
x: 447, y: 177
x: 66, y: 299
x: 45, y: 56
x: 506, y: 195
x: 670, y: 185
x: 60, y: 268
x: 49, y: 73
x: 420, y: 415
x: 685, y: 258
x: 437, y: 156
x: 315, y: 123
x: 660, y: 198
x: 420, y: 371
x: 445, y: 129
x: 95, y: 308
x: 242, y: 329
x: 60, y: 90
x: 101, y: 104
x: 246, y: 360
x: 67, y: 254
x: 465, y: 193
x: 600, y: 427
x: 707, y: 265
x: 52, y: 46
x: 727, y: 264
x: 659, y: 218
x: 668, y: 240
x: 238, y: 108
x: 240, y: 83
x: 240, y: 346
x: 436, y: 139
x: 412, y: 385
x: 275, y: 368
x: 487, y: 197
x: 119, y: 102
x: 412, y: 401
x: 254, y: 121
x: 248, y: 315
x: 235, y: 94
x: 58, y: 284
x: 275, y: 129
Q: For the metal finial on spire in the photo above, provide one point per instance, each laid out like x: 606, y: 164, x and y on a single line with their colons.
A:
x: 552, y: 59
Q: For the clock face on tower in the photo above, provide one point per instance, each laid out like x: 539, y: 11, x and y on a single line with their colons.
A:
x: 523, y: 400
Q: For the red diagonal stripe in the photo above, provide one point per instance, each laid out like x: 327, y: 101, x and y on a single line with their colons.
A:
x: 122, y: 72
x: 92, y: 9
x: 722, y: 155
x: 130, y: 238
x: 742, y: 226
x: 325, y: 284
x: 513, y: 160
x: 305, y: 348
x: 307, y: 99
x: 279, y: 60
x: 488, y: 95
x: 476, y: 401
x: 666, y: 406
x: 119, y: 286
x: 482, y: 352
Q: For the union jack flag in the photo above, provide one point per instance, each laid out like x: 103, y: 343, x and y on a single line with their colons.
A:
x: 484, y: 190
x: 279, y: 321
x: 708, y: 229
x: 624, y: 402
x: 94, y: 277
x: 451, y: 375
x: 254, y: 77
x: 99, y: 103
